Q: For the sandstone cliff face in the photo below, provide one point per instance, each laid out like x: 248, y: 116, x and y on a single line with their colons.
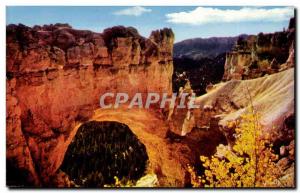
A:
x: 55, y: 75
x: 262, y: 54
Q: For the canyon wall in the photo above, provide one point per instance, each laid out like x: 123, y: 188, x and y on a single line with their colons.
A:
x: 55, y: 76
x: 262, y: 54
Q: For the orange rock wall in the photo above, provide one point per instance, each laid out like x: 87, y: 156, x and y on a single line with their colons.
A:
x: 55, y: 76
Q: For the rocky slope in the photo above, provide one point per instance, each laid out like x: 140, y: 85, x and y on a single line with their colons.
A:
x: 55, y: 76
x: 262, y: 54
x: 272, y: 98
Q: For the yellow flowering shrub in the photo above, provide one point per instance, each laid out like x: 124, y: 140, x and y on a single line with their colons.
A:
x: 120, y: 183
x: 251, y: 161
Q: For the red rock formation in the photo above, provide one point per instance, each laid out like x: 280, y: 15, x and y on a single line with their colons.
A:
x: 55, y: 76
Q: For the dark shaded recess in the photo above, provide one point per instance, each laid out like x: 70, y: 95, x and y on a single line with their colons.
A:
x: 202, y: 141
x: 16, y: 177
x: 200, y: 73
x: 9, y: 75
x: 102, y: 150
x: 286, y: 134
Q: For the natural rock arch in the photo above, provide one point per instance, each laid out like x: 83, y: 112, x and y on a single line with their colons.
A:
x: 54, y: 86
x: 166, y: 160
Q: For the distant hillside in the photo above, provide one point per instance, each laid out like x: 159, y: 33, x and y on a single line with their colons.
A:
x: 201, y: 61
x: 199, y: 48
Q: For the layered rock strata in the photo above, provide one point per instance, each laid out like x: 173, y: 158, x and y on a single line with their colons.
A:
x: 55, y: 76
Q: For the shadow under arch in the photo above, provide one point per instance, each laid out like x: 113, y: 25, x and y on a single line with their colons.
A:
x: 103, y: 150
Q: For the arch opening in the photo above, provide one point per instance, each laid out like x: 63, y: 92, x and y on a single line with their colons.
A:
x: 102, y: 150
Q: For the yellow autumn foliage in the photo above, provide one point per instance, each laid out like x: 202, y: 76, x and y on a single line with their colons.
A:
x: 120, y: 183
x: 251, y: 161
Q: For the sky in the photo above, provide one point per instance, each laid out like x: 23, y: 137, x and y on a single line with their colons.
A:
x: 186, y: 22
